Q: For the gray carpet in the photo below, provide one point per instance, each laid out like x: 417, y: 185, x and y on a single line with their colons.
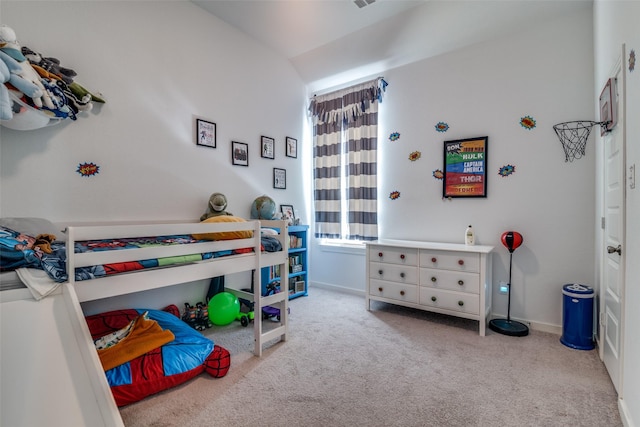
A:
x: 345, y: 366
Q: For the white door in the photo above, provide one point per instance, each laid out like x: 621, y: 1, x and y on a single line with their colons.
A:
x: 612, y: 292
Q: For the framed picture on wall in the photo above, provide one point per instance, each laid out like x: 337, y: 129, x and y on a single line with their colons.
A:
x: 267, y: 147
x: 465, y: 167
x: 239, y: 153
x: 205, y: 133
x: 292, y: 147
x: 279, y: 178
x: 288, y: 211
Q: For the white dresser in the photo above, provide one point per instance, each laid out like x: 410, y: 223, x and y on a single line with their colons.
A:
x: 445, y: 278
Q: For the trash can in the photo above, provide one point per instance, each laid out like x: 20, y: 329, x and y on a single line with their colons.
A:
x: 577, y: 316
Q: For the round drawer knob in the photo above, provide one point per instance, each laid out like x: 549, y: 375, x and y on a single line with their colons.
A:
x: 380, y: 272
x: 402, y: 293
x: 460, y: 303
x: 434, y: 299
x: 379, y: 289
x: 402, y: 275
x: 460, y: 262
x: 434, y: 259
x: 380, y: 254
x: 434, y: 280
x: 401, y: 256
x: 460, y: 282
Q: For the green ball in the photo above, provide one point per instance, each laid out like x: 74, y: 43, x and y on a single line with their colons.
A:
x: 223, y: 308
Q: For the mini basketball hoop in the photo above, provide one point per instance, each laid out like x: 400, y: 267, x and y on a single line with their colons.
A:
x: 573, y: 137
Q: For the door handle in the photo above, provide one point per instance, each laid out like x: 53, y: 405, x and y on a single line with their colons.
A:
x: 611, y: 249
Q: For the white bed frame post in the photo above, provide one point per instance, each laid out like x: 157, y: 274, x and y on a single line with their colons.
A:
x: 281, y: 299
x: 70, y: 238
x: 257, y: 294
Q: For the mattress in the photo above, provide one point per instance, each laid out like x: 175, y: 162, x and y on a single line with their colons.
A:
x: 10, y: 280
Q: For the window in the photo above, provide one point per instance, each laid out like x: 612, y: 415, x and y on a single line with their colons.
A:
x: 345, y: 139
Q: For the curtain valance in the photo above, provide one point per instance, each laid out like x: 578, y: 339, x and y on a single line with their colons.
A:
x: 347, y: 104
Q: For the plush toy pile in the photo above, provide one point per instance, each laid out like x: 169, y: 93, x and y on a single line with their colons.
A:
x: 37, y: 87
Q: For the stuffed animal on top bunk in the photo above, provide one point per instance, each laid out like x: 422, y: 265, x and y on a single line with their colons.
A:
x: 217, y: 206
x: 217, y: 212
x: 146, y: 351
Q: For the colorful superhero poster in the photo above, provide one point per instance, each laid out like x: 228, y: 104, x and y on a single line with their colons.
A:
x: 465, y: 168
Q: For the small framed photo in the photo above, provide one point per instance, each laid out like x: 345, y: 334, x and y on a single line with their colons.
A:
x: 287, y: 210
x: 279, y: 178
x: 239, y: 153
x: 205, y: 133
x: 267, y: 147
x: 292, y: 147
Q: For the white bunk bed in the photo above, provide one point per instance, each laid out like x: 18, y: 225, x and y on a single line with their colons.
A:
x: 56, y: 378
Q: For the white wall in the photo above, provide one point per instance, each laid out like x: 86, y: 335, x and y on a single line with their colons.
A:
x: 616, y: 22
x: 158, y: 64
x: 545, y: 72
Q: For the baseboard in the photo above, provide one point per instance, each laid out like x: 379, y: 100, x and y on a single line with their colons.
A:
x: 624, y: 414
x: 336, y: 288
x: 546, y: 327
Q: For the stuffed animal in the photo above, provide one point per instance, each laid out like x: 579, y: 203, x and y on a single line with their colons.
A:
x: 52, y: 65
x: 15, y: 78
x: 78, y: 98
x: 217, y: 206
x: 5, y: 100
x: 10, y: 47
x: 43, y: 241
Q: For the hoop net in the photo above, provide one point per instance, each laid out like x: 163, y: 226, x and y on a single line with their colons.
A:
x: 573, y: 137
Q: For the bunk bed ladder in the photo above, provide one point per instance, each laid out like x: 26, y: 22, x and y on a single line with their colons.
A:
x: 279, y: 300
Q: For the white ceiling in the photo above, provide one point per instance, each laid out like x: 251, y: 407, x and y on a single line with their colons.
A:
x: 331, y: 42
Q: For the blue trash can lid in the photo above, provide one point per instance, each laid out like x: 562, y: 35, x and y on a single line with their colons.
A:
x: 576, y: 288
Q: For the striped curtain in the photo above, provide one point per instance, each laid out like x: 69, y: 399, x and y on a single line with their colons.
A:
x: 345, y: 129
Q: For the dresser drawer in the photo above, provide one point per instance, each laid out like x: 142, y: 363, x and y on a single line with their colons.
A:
x: 459, y: 261
x: 452, y: 280
x: 391, y: 290
x: 393, y: 255
x: 450, y: 300
x: 393, y: 272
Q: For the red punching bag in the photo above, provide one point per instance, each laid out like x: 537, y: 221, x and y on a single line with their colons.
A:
x: 511, y: 240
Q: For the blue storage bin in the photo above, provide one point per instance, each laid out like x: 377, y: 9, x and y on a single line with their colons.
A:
x: 577, y: 316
